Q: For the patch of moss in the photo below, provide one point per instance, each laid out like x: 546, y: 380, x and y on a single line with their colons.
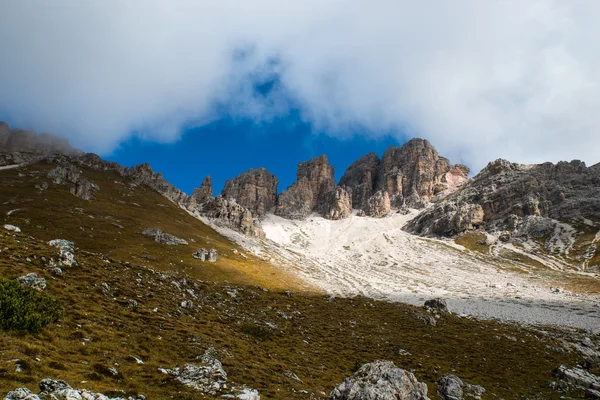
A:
x: 474, y: 241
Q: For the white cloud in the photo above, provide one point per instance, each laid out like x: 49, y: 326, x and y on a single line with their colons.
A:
x: 480, y: 79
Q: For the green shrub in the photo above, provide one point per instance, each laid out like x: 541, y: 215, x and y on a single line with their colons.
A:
x: 24, y: 309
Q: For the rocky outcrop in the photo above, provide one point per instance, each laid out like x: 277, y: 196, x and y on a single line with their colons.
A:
x: 437, y: 304
x: 361, y: 177
x: 506, y: 196
x: 201, y: 195
x: 70, y: 174
x: 57, y: 389
x: 17, y: 140
x: 229, y: 214
x: 380, y: 380
x: 66, y: 254
x: 84, y: 189
x: 411, y: 175
x: 255, y: 189
x: 578, y: 377
x: 337, y: 204
x: 163, y: 238
x: 314, y: 183
x: 378, y: 205
x: 451, y: 387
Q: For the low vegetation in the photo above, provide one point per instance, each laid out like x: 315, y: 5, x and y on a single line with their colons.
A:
x: 24, y: 309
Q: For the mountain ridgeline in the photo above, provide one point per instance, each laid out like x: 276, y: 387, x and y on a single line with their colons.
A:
x: 505, y: 197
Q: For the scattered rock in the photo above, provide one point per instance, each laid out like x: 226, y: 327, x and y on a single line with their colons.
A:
x: 12, y: 228
x: 164, y: 238
x: 380, y: 380
x: 201, y: 254
x: 32, y: 280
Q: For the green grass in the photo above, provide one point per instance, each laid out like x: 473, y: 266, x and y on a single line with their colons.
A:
x: 24, y: 309
x: 473, y: 241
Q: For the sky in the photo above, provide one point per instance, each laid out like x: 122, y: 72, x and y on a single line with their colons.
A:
x: 149, y: 80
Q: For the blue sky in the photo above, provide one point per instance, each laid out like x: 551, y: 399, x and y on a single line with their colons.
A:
x: 227, y: 147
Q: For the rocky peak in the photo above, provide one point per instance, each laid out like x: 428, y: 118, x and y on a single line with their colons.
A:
x: 202, y: 194
x: 414, y: 173
x: 360, y: 178
x: 315, y: 181
x: 255, y: 189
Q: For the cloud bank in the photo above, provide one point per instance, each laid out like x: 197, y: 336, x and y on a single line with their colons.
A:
x: 479, y: 79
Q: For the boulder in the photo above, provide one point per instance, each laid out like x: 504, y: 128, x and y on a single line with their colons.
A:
x: 209, y: 377
x: 164, y: 238
x: 201, y: 254
x: 437, y: 304
x: 450, y: 387
x: 58, y: 389
x: 212, y: 255
x: 12, y: 228
x: 32, y: 280
x: 67, y: 248
x: 380, y: 380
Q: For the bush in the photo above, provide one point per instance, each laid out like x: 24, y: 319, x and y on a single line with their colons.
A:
x: 24, y: 309
x: 257, y: 331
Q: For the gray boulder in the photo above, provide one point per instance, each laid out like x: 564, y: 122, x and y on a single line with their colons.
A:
x: 578, y: 377
x: 58, y: 389
x: 450, y: 387
x: 66, y: 248
x: 32, y: 280
x: 201, y: 254
x: 163, y: 238
x: 437, y: 304
x: 208, y: 377
x: 12, y: 228
x: 380, y: 380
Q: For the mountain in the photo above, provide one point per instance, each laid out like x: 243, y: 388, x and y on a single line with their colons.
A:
x: 248, y: 293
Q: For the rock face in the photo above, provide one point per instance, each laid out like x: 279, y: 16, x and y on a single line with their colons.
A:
x: 506, y: 196
x: 203, y: 194
x: 57, y: 389
x: 255, y: 189
x: 578, y: 377
x: 17, y: 140
x: 361, y: 177
x: 229, y: 214
x: 314, y: 182
x: 70, y: 174
x: 411, y: 175
x: 378, y: 205
x: 336, y: 204
x: 380, y: 380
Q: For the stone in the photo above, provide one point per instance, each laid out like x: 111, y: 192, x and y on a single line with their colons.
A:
x: 378, y: 205
x: 255, y: 190
x: 208, y: 378
x: 437, y: 304
x: 380, y: 380
x: 314, y: 181
x: 58, y: 389
x: 12, y: 228
x: 577, y: 377
x: 187, y: 304
x: 244, y: 393
x: 201, y: 254
x: 212, y: 255
x: 450, y: 387
x: 66, y: 248
x: 337, y: 204
x: 32, y: 280
x: 164, y: 238
x: 132, y: 304
x: 42, y: 186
